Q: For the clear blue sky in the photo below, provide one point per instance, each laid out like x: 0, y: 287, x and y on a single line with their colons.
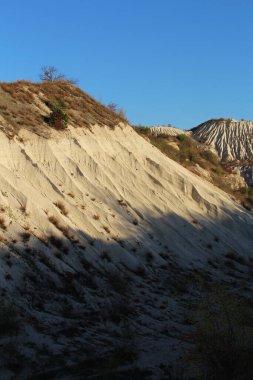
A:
x: 164, y: 61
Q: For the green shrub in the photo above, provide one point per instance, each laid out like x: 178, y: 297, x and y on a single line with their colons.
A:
x: 142, y: 130
x: 58, y: 117
x: 209, y: 156
x: 223, y: 338
x: 8, y: 319
x: 181, y: 137
x: 218, y: 170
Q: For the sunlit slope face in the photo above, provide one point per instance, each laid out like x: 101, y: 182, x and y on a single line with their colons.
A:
x: 100, y: 164
x: 99, y: 228
x: 115, y: 186
x: 231, y: 139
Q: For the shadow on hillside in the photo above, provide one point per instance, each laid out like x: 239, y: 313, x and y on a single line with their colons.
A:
x: 90, y: 295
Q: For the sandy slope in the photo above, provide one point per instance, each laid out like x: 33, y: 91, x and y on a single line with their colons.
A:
x: 131, y: 211
x: 109, y: 166
x: 232, y: 140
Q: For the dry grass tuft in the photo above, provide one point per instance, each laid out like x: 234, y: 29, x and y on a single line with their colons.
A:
x: 25, y: 236
x: 3, y: 224
x: 55, y: 241
x: 54, y: 220
x: 23, y: 207
x: 64, y: 229
x: 236, y: 257
x: 122, y: 202
x: 107, y: 229
x: 149, y: 257
x: 61, y: 207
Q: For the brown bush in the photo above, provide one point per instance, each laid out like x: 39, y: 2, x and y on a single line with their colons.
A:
x: 25, y: 236
x: 55, y: 241
x: 54, y: 220
x: 3, y: 224
x: 61, y: 207
x: 107, y: 229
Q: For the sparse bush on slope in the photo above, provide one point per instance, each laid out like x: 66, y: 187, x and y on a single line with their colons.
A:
x: 119, y: 111
x: 58, y: 117
x: 22, y: 106
x: 189, y: 153
x: 223, y: 338
x: 61, y: 206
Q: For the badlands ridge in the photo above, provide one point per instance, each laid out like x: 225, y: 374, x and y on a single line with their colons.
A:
x: 231, y: 139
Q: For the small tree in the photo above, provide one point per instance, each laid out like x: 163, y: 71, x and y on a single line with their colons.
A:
x: 52, y: 74
x: 113, y: 107
x: 58, y: 118
x: 119, y: 111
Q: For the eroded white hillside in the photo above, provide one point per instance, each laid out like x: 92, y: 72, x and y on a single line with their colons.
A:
x: 231, y: 139
x: 102, y: 236
x: 168, y: 131
x: 99, y: 171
